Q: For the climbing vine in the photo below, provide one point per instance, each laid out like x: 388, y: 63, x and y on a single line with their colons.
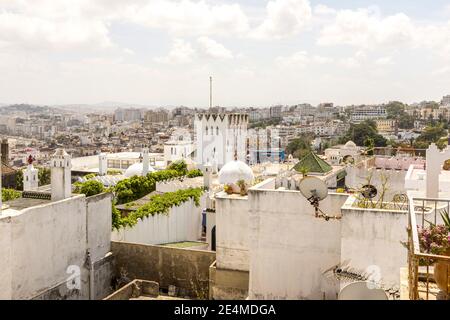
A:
x: 158, y: 204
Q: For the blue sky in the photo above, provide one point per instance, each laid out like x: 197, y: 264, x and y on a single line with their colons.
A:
x: 162, y: 52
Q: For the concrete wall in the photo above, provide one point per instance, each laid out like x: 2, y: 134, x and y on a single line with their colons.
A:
x: 46, y: 241
x: 356, y: 178
x: 5, y: 260
x: 371, y: 240
x: 183, y: 223
x: 185, y: 269
x: 227, y: 284
x: 290, y: 248
x: 232, y: 232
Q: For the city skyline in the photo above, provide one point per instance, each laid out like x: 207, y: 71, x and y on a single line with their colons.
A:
x: 162, y: 53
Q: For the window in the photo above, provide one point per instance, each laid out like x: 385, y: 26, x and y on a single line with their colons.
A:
x: 206, y: 130
x: 217, y: 131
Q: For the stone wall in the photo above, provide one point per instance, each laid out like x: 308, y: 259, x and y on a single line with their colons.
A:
x: 186, y: 269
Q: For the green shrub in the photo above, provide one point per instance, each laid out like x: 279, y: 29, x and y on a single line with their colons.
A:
x: 90, y: 176
x: 89, y: 188
x: 179, y: 166
x: 136, y: 187
x: 10, y: 194
x: 194, y: 173
x: 158, y: 204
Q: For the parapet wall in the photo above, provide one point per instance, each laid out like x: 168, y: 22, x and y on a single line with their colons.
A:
x: 186, y: 269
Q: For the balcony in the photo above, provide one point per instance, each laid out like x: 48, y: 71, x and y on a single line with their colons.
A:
x: 421, y: 265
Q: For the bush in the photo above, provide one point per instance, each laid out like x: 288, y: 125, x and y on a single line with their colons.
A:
x: 90, y: 188
x: 10, y: 194
x: 194, y: 173
x: 179, y: 166
x: 136, y: 187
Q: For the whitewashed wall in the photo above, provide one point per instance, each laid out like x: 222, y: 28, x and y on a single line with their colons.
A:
x: 289, y: 247
x: 371, y: 240
x: 5, y: 260
x: 356, y: 178
x: 232, y: 232
x: 39, y: 243
x: 183, y: 223
x: 176, y: 184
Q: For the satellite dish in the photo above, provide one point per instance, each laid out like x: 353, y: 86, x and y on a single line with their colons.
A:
x: 348, y: 159
x: 369, y: 191
x: 313, y: 188
x: 361, y: 290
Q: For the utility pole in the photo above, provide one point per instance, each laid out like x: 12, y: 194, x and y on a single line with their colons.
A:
x: 210, y: 92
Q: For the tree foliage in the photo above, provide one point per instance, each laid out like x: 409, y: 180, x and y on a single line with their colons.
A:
x: 364, y: 134
x: 300, y: 146
x: 431, y: 134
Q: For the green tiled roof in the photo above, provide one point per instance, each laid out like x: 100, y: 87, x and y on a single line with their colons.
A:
x: 313, y: 164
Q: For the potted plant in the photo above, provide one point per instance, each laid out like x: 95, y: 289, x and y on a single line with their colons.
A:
x: 447, y: 165
x: 228, y: 189
x: 242, y: 186
x: 435, y: 239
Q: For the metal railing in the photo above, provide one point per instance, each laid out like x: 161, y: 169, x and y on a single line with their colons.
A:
x: 422, y: 286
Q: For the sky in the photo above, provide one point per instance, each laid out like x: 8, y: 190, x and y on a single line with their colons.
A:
x: 259, y: 53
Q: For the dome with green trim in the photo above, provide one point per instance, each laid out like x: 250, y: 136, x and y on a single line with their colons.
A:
x: 313, y: 164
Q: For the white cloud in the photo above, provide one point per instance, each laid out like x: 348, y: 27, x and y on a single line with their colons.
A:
x: 366, y: 28
x: 384, y: 61
x: 284, y: 18
x: 213, y: 49
x: 187, y: 17
x: 43, y: 24
x: 301, y: 59
x: 180, y: 53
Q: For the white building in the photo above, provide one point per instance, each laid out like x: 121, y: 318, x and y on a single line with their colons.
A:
x: 368, y: 113
x: 179, y: 147
x: 343, y: 153
x: 219, y: 137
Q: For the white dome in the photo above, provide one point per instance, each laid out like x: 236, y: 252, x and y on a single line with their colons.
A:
x: 350, y: 145
x: 136, y: 170
x: 234, y: 171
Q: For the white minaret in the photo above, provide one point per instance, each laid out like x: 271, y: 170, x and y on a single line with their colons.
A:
x: 30, y: 176
x: 102, y: 164
x: 145, y: 161
x: 61, y: 165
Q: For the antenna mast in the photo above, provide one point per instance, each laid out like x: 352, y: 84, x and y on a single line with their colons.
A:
x: 210, y: 92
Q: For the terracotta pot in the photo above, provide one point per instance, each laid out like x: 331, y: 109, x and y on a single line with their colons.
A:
x: 442, y: 274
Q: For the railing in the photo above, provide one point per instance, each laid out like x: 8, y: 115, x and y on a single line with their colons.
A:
x: 421, y: 282
x: 392, y: 152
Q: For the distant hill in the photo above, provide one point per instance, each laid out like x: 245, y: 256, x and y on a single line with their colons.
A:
x: 25, y: 108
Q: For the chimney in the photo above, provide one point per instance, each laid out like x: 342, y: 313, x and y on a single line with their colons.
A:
x: 61, y: 165
x: 102, y: 164
x: 4, y: 150
x: 207, y: 173
x: 145, y: 161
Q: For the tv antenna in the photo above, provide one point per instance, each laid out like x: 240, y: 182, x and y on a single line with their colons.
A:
x: 210, y: 92
x: 315, y: 190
